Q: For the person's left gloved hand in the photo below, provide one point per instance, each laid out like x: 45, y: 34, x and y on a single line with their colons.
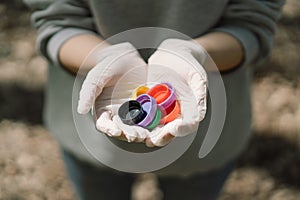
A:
x: 179, y: 62
x: 118, y: 71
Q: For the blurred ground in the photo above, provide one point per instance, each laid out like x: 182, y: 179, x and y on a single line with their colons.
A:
x: 30, y: 164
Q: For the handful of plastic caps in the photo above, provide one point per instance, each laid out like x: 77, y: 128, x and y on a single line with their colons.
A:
x: 150, y: 107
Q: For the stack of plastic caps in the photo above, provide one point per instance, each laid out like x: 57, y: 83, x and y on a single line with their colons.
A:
x: 150, y: 107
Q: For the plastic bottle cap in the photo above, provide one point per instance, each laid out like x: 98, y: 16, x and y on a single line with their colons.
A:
x: 172, y: 113
x: 131, y: 112
x: 169, y: 101
x: 149, y: 106
x: 139, y: 91
x: 155, y: 121
x: 159, y: 92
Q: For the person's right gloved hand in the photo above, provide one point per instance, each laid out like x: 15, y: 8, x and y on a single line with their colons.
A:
x: 119, y: 70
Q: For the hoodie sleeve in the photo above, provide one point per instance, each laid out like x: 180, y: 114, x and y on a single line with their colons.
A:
x: 57, y: 21
x: 253, y: 23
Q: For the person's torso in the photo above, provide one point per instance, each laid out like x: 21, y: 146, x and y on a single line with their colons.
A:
x: 191, y: 17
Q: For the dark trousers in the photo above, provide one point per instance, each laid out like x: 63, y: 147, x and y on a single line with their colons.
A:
x: 91, y: 183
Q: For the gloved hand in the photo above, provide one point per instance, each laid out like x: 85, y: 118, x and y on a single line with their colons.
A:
x: 119, y: 70
x: 179, y: 62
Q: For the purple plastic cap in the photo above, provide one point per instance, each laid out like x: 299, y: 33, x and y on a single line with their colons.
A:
x: 149, y: 106
x: 170, y: 100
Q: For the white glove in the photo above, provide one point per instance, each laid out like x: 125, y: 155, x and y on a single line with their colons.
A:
x: 178, y: 62
x: 119, y: 70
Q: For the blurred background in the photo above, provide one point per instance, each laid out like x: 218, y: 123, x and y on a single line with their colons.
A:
x: 30, y: 163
